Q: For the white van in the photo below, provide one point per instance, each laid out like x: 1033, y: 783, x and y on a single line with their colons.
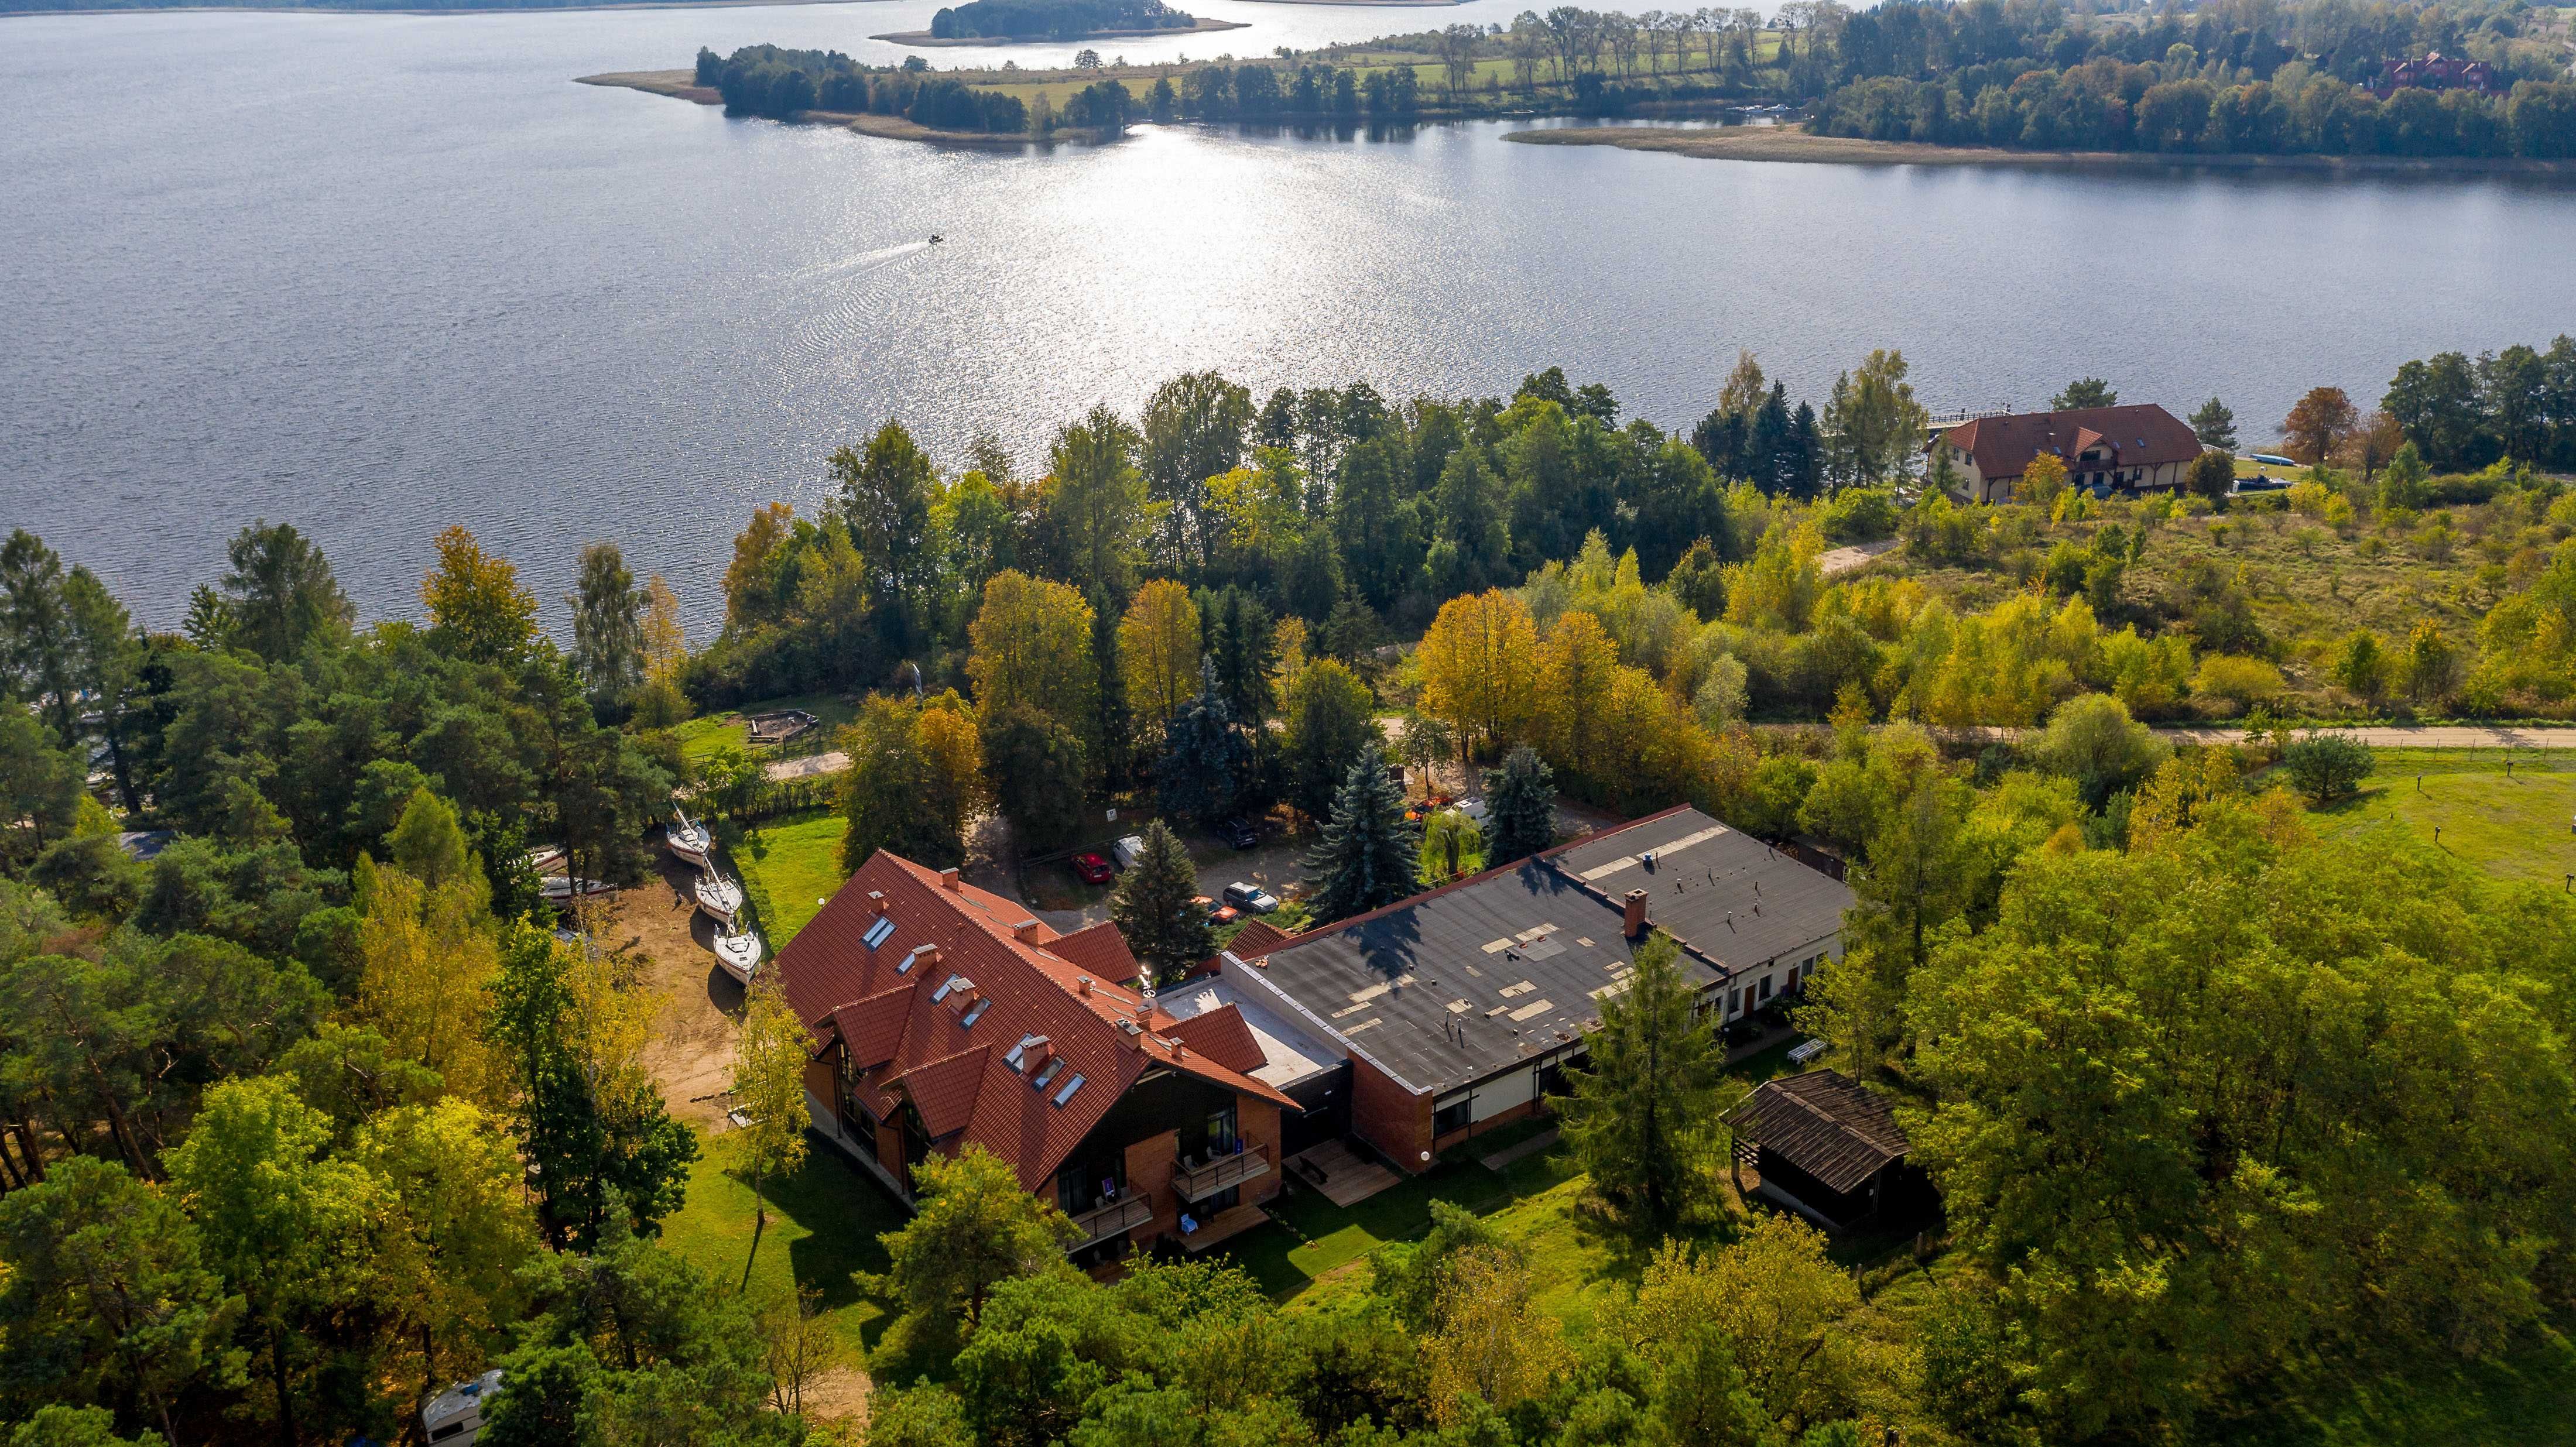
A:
x: 1128, y: 850
x: 454, y: 1418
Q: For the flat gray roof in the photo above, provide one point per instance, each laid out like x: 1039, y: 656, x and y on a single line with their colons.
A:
x: 1288, y: 1054
x: 1472, y: 979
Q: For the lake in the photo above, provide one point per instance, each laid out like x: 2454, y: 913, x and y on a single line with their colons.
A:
x: 379, y: 274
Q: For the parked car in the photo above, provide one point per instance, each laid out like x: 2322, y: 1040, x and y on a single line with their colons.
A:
x: 1473, y: 809
x: 1238, y: 831
x: 1251, y: 896
x: 1128, y: 850
x: 1218, y: 913
x: 1092, y: 868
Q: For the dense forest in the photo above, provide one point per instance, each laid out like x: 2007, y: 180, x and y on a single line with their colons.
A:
x: 1053, y: 19
x: 763, y: 80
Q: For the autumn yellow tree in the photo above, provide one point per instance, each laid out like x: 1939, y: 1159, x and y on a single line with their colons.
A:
x: 446, y: 1256
x: 1779, y: 588
x: 477, y: 610
x: 428, y: 956
x: 1479, y: 662
x: 1575, y: 668
x: 1491, y: 1341
x: 953, y: 757
x: 769, y: 1090
x: 2041, y: 481
x: 1158, y: 645
x: 1031, y: 644
x: 666, y: 647
x: 751, y: 581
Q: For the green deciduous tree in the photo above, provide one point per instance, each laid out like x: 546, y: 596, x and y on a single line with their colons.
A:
x: 975, y: 1227
x: 1642, y: 1117
x: 1331, y: 716
x: 770, y: 1052
x: 1036, y: 768
x: 106, y: 1300
x: 607, y: 628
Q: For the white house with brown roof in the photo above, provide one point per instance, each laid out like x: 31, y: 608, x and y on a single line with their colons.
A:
x: 943, y: 1016
x: 2128, y: 449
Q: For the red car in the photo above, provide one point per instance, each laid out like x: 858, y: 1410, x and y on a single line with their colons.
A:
x: 1092, y: 868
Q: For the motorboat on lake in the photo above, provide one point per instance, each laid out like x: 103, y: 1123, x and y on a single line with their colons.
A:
x: 690, y: 840
x: 718, y: 897
x: 738, y: 952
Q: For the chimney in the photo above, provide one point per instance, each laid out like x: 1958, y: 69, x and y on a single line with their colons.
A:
x: 1082, y: 984
x: 1636, y: 924
x: 1024, y: 929
x: 876, y: 902
x: 948, y: 879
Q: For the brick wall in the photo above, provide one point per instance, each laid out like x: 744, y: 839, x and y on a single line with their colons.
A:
x: 1386, y: 1115
x: 1490, y: 1124
x: 1149, y: 1168
x: 1257, y: 1122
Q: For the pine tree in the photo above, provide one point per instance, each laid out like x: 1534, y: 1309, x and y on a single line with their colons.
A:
x: 2215, y: 425
x: 1642, y: 1118
x: 1520, y: 803
x: 1369, y: 854
x: 1205, y: 760
x: 1156, y: 908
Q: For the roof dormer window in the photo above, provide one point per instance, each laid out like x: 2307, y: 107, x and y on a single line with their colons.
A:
x: 974, y: 1013
x: 1052, y: 1068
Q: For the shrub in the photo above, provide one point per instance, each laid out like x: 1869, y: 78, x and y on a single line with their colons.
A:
x: 2239, y: 681
x: 2327, y: 767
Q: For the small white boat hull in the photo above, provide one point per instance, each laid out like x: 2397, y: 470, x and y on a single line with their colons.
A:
x: 689, y: 845
x: 738, y: 953
x: 556, y: 886
x: 719, y: 898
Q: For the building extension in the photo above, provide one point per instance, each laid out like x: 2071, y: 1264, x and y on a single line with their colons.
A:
x: 2119, y: 449
x: 1414, y: 1026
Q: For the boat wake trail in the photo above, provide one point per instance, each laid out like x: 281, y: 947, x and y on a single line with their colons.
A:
x: 864, y: 261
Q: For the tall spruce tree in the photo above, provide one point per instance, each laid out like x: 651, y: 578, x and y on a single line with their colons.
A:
x: 1112, y: 748
x: 1520, y: 804
x: 1156, y: 908
x: 1370, y: 853
x: 1642, y: 1119
x: 1205, y: 761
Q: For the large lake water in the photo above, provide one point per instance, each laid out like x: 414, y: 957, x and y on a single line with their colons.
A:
x: 379, y: 274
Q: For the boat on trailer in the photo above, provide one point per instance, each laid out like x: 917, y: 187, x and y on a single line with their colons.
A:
x: 689, y: 839
x: 738, y: 952
x: 719, y: 897
x: 454, y: 1418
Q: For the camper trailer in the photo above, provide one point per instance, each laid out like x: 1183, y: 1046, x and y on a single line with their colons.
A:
x: 454, y: 1418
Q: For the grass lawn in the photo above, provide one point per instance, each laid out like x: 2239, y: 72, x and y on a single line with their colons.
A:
x: 700, y: 738
x: 2514, y: 827
x: 823, y: 1225
x: 792, y: 864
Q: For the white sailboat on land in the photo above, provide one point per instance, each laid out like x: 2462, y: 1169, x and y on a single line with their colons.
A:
x: 689, y: 839
x: 738, y: 952
x: 719, y: 897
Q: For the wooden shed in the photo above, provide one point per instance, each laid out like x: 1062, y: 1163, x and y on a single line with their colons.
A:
x: 1828, y: 1148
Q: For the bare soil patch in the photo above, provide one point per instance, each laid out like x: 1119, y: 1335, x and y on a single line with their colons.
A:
x: 691, y: 1052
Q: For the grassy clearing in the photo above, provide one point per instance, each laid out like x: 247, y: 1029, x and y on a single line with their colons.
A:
x: 823, y: 1226
x: 700, y: 738
x: 792, y: 864
x: 2512, y: 827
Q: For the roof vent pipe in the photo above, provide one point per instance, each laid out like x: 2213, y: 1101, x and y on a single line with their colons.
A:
x: 1636, y: 921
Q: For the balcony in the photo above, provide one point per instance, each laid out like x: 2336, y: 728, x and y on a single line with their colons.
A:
x: 1104, y: 1221
x: 1205, y: 1181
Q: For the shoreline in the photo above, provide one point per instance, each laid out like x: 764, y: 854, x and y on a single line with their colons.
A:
x: 1203, y: 25
x: 683, y: 85
x: 1784, y: 143
x: 578, y: 5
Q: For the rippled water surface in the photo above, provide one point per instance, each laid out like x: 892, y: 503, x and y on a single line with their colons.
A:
x: 377, y: 274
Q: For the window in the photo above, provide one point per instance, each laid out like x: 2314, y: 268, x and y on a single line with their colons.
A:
x: 950, y: 985
x: 1766, y: 989
x: 974, y: 1013
x: 1046, y: 1074
x: 1450, y: 1119
x: 1020, y: 1051
x: 1734, y: 1001
x: 879, y: 932
x: 1070, y: 1087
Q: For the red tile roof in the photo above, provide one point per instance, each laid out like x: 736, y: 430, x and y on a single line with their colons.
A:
x: 988, y: 952
x: 2140, y: 435
x: 1258, y: 938
x: 1222, y: 1036
x: 1102, y: 950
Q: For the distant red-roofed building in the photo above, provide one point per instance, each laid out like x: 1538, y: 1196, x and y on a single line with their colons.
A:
x: 2437, y: 72
x: 2127, y: 449
x: 943, y: 1015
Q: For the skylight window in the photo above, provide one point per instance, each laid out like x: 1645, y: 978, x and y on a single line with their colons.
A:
x: 950, y: 985
x: 975, y: 1012
x: 1049, y: 1073
x: 1020, y: 1051
x: 879, y: 932
x: 1070, y: 1087
x: 912, y: 959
